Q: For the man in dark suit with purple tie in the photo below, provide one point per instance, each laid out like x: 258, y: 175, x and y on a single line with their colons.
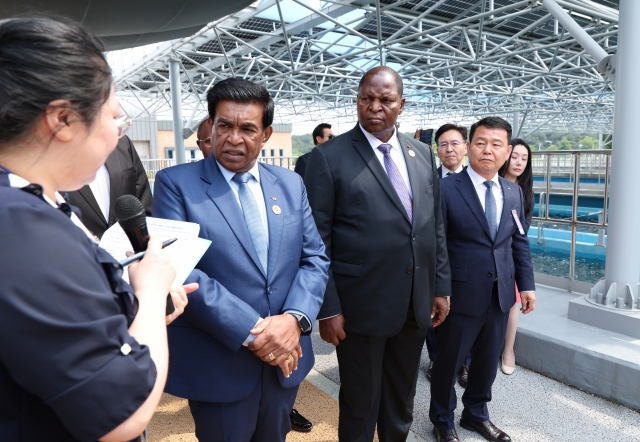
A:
x: 375, y: 197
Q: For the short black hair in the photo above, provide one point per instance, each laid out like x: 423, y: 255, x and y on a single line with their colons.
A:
x: 42, y: 60
x: 241, y: 91
x: 380, y: 69
x: 319, y: 131
x: 491, y: 123
x: 447, y: 127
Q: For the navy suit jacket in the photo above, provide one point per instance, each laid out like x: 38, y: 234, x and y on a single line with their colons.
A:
x: 207, y: 359
x: 473, y: 257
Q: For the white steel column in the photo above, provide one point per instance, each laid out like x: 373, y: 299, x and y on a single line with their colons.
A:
x: 623, y: 246
x: 176, y: 107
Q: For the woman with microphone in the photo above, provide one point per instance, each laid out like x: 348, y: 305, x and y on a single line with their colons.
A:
x: 83, y: 354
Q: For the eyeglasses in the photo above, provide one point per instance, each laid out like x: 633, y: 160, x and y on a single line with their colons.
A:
x: 330, y: 136
x: 445, y: 145
x: 123, y: 122
x: 205, y: 141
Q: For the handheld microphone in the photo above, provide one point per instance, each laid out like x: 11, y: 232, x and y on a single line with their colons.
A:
x: 132, y: 217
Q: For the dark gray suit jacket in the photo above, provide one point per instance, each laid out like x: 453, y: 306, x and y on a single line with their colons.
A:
x: 127, y: 177
x: 379, y: 260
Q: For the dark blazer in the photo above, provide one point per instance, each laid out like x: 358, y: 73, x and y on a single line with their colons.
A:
x: 301, y: 164
x: 207, y: 359
x: 474, y: 258
x: 379, y: 259
x: 127, y: 177
x: 65, y: 315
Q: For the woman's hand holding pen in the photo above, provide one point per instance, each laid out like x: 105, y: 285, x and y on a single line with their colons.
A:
x: 151, y: 277
x: 155, y: 273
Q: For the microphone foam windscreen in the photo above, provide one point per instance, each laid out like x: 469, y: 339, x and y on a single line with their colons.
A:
x: 130, y: 212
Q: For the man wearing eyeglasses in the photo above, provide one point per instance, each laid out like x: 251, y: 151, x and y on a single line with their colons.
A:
x: 204, y: 137
x: 452, y: 144
x: 122, y: 174
x: 320, y: 134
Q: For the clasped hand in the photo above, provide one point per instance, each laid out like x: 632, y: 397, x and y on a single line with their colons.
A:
x: 278, y: 337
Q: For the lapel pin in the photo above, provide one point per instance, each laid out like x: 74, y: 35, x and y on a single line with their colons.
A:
x: 411, y: 153
x: 273, y: 198
x: 276, y: 210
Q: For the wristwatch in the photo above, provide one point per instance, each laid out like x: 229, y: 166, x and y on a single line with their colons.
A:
x: 303, y: 322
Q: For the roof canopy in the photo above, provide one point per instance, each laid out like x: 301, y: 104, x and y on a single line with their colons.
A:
x: 125, y: 23
x: 460, y: 60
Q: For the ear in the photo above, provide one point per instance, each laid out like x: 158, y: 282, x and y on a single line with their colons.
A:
x: 466, y: 148
x: 58, y: 118
x: 402, y: 100
x: 266, y: 135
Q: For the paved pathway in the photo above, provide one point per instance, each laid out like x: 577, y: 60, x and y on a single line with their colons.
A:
x: 528, y: 406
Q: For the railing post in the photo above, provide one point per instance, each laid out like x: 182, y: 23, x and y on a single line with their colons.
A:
x: 574, y: 216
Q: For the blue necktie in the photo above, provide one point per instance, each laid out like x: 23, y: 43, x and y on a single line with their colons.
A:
x: 252, y: 217
x: 490, y: 210
x: 396, y: 180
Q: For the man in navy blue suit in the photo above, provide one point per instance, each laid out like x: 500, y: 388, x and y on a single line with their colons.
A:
x: 488, y: 253
x: 242, y: 347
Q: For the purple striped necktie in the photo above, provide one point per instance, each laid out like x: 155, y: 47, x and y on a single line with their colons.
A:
x: 396, y: 179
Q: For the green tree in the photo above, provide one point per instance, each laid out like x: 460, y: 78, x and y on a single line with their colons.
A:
x: 565, y: 144
x: 301, y: 144
x: 588, y: 143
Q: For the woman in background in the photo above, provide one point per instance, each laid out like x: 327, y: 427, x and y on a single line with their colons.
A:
x: 518, y: 170
x: 83, y: 354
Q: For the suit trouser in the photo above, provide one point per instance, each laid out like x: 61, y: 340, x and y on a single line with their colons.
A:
x: 263, y: 416
x: 432, y: 342
x: 378, y: 379
x: 484, y: 336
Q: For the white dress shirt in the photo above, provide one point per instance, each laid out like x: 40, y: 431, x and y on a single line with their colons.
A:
x: 446, y: 171
x: 481, y: 190
x: 254, y: 187
x: 396, y: 154
x: 101, y: 189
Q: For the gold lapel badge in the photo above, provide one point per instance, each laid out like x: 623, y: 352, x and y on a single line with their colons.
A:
x: 411, y: 153
x: 276, y: 210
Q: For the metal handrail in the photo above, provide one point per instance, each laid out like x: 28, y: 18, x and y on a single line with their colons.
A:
x: 152, y: 166
x: 576, y: 158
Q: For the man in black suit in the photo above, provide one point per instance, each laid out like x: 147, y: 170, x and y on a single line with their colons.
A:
x: 375, y: 198
x: 320, y: 134
x: 451, y: 141
x: 122, y: 174
x: 488, y: 253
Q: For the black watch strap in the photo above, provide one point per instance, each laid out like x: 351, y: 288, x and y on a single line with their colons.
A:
x: 303, y: 322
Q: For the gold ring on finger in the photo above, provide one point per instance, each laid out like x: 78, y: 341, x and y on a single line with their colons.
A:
x: 271, y: 356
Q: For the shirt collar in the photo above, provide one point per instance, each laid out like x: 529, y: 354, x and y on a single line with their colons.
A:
x: 479, y: 180
x: 228, y: 175
x: 445, y: 169
x: 374, y: 142
x: 19, y: 182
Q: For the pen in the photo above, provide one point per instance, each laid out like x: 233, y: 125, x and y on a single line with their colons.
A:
x: 139, y: 256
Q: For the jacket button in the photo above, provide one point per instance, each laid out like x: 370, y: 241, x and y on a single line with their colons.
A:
x: 413, y: 238
x: 269, y: 290
x: 490, y: 274
x: 409, y: 269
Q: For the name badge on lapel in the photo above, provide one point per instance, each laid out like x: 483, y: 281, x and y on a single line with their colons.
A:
x: 518, y: 223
